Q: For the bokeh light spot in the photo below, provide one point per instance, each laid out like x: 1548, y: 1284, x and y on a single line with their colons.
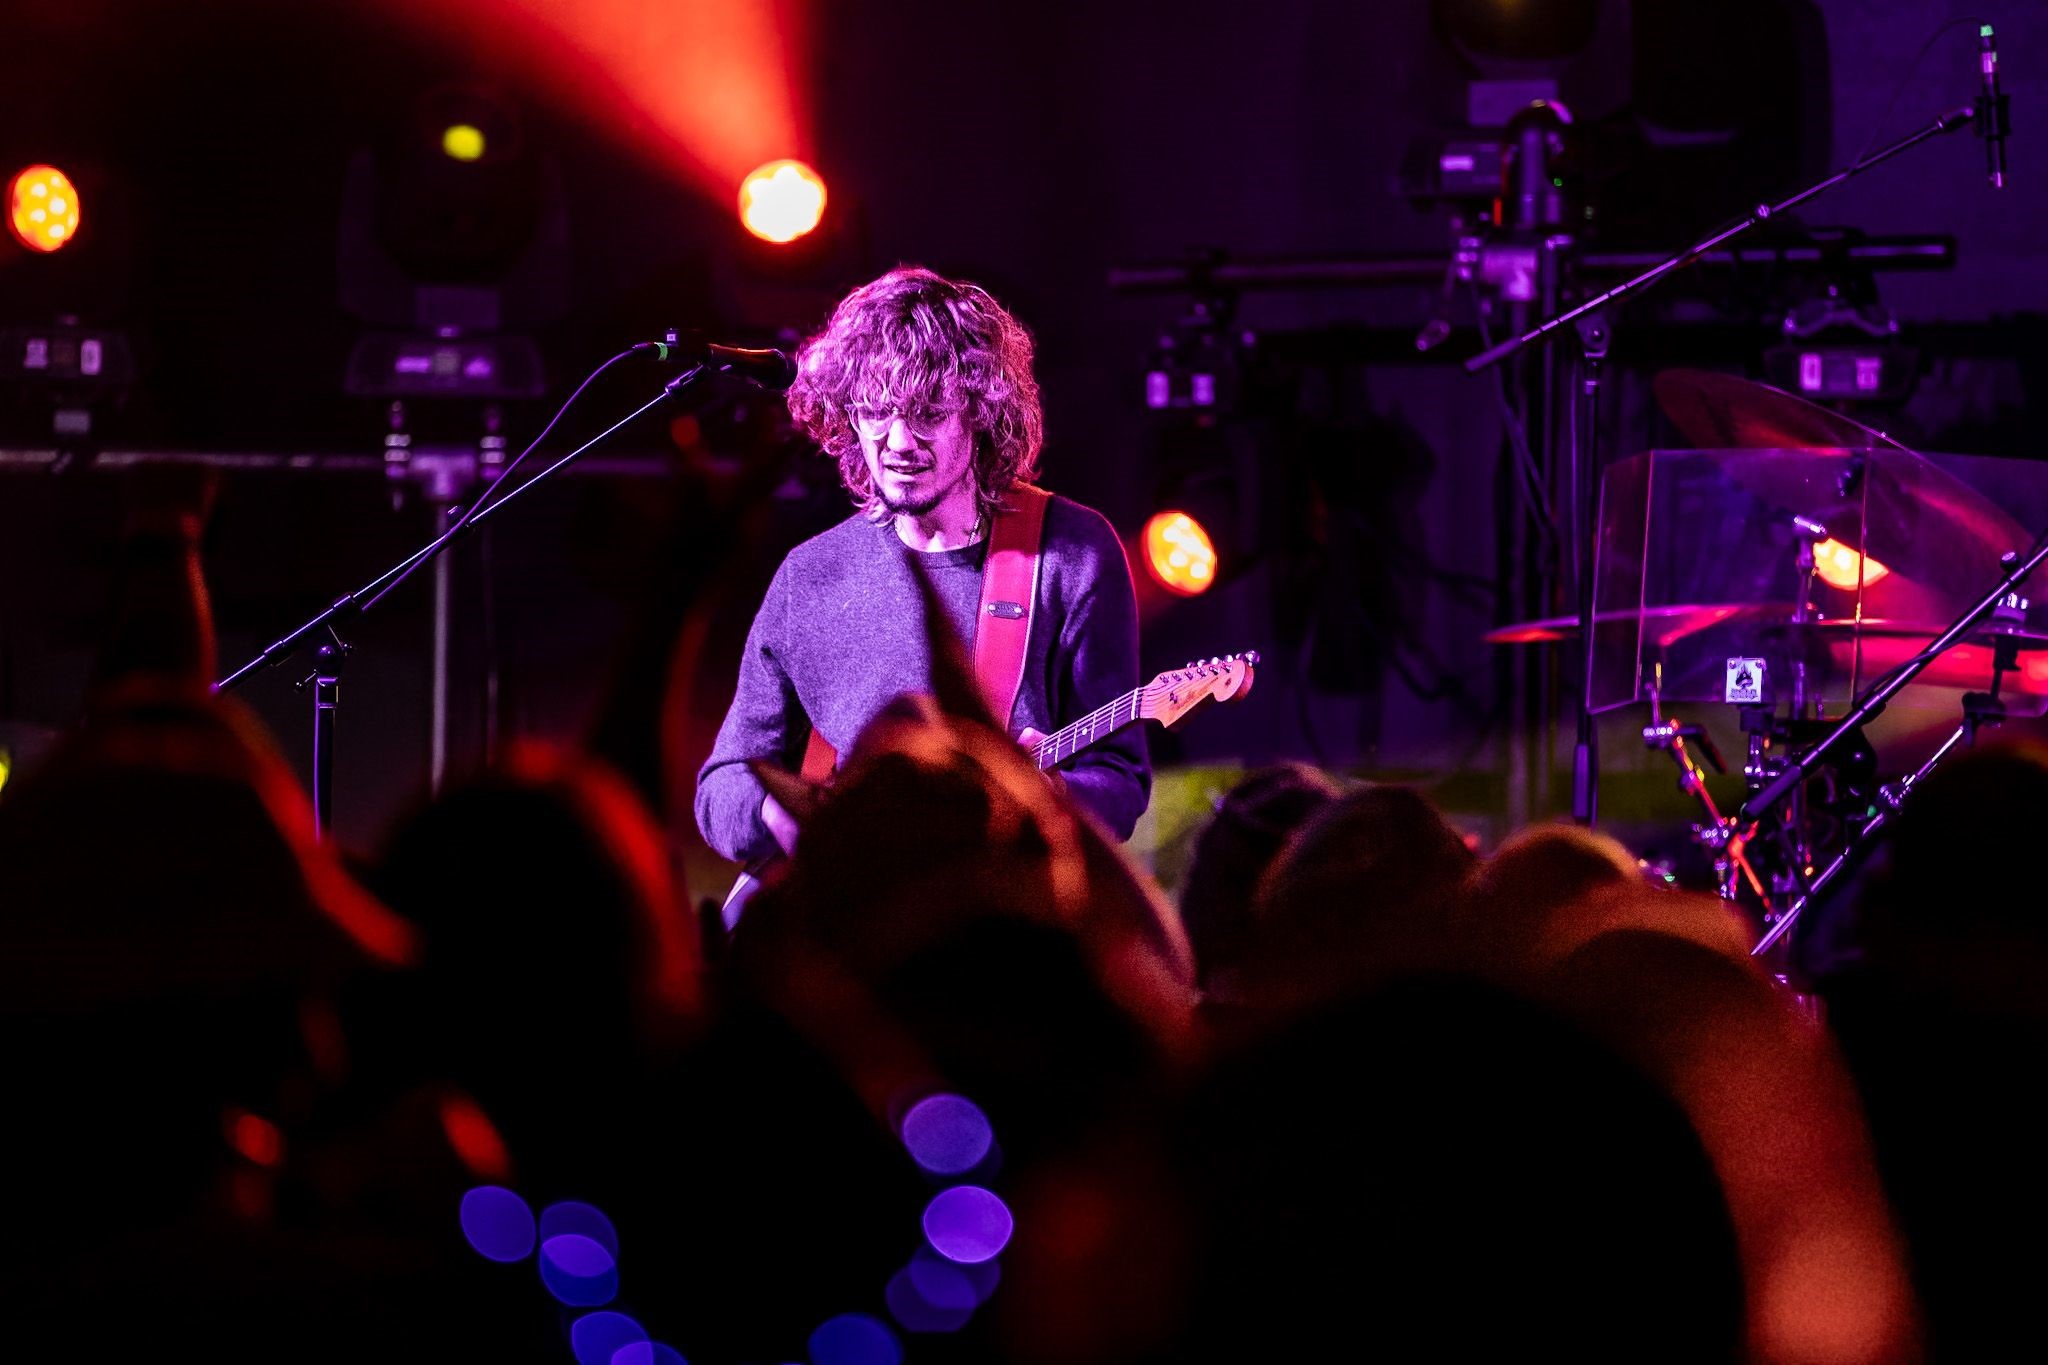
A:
x: 855, y: 1339
x: 935, y: 1298
x: 498, y: 1223
x: 939, y: 1279
x: 967, y: 1223
x: 781, y: 201
x: 946, y: 1134
x: 585, y: 1220
x: 578, y: 1271
x: 599, y: 1338
x: 255, y: 1138
x: 648, y: 1353
x: 474, y: 1138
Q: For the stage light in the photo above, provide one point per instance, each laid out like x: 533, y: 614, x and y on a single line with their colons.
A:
x: 1838, y: 566
x: 463, y: 141
x: 781, y: 201
x: 42, y: 208
x: 1179, y: 553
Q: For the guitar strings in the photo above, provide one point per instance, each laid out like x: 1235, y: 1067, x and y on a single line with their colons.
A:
x: 1051, y: 744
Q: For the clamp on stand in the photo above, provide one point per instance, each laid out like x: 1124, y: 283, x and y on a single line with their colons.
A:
x: 325, y: 680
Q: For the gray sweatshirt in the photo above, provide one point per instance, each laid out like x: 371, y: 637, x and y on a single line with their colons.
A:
x: 839, y: 636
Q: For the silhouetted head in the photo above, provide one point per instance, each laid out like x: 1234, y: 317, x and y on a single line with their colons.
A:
x: 1253, y: 822
x: 1367, y: 888
x: 555, y: 946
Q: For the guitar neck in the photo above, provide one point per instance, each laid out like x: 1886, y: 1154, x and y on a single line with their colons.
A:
x: 1097, y: 725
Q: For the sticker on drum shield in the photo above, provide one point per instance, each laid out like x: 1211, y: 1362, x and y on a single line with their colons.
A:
x: 1745, y: 682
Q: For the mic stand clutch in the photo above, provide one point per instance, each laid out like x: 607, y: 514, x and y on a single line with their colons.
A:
x: 325, y: 680
x: 1585, y: 454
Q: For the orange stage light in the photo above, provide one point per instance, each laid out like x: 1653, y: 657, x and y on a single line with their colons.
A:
x: 1838, y: 566
x: 1179, y: 554
x: 42, y: 208
x: 782, y: 201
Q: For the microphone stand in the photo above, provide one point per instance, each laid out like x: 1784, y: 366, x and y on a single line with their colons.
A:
x: 1587, y: 318
x: 1872, y: 703
x: 332, y: 652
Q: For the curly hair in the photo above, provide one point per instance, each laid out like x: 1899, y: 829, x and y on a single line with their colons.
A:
x: 915, y: 338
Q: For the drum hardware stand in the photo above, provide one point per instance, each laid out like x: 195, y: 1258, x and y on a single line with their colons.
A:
x: 1718, y: 834
x: 1585, y: 775
x: 1979, y: 709
x: 447, y: 473
x: 1584, y: 453
x: 325, y: 679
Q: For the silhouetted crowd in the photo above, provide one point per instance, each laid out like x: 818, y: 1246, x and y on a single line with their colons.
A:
x: 504, y: 1093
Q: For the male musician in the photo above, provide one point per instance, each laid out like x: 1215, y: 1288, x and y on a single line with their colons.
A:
x: 921, y: 387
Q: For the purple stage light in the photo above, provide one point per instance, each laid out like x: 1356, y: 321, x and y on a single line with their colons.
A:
x: 497, y: 1223
x: 855, y: 1339
x: 600, y: 1338
x: 578, y: 1270
x: 584, y: 1220
x: 939, y: 1279
x: 967, y: 1223
x: 946, y: 1134
x: 918, y: 1311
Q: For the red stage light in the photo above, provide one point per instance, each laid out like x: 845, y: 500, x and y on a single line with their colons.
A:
x: 711, y: 87
x: 42, y: 208
x: 781, y: 201
x: 1179, y: 553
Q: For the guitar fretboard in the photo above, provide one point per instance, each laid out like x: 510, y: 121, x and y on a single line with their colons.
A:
x: 1100, y: 723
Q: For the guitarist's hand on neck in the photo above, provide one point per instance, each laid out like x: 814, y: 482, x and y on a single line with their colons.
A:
x: 1031, y: 739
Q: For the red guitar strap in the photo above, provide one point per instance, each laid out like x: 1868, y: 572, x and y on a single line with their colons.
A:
x: 819, y: 760
x: 1002, y: 633
x: 1009, y: 599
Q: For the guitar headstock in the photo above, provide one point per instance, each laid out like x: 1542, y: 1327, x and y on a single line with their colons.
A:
x: 1173, y: 694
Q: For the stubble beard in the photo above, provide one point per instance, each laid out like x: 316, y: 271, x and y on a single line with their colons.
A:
x: 924, y: 506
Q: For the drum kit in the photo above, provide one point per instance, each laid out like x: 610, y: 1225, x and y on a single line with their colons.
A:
x: 1803, y: 568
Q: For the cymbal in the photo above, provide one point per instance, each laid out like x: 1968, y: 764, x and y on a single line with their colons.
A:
x: 1884, y: 644
x: 1665, y: 625
x: 1727, y: 412
x: 1900, y: 508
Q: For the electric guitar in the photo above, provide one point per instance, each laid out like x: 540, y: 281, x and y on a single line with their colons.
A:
x: 1166, y: 699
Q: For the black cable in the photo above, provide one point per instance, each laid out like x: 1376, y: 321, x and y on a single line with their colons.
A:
x: 1877, y: 129
x: 484, y: 498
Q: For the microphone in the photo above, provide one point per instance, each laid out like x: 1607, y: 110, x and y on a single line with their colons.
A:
x: 761, y: 366
x: 1992, y: 107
